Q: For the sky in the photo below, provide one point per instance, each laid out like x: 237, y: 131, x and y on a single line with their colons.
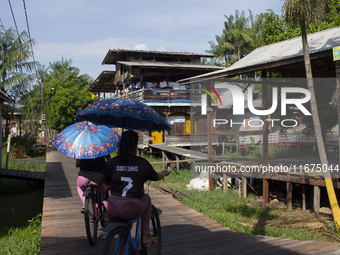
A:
x: 84, y: 30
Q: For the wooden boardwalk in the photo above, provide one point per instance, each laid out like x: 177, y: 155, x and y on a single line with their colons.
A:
x: 22, y: 175
x: 185, y: 231
x: 179, y: 151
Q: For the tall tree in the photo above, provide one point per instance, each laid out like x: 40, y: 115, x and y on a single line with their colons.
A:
x: 236, y: 40
x: 238, y: 33
x: 222, y: 50
x: 65, y: 93
x: 15, y: 67
x: 14, y: 55
x: 302, y: 13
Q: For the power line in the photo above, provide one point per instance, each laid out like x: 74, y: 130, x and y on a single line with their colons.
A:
x: 15, y: 23
x: 29, y: 34
x: 2, y: 24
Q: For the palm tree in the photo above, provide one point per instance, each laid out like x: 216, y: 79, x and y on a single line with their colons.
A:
x: 237, y: 39
x: 63, y: 70
x: 14, y: 54
x: 302, y: 13
x: 222, y: 50
x: 15, y: 69
x: 237, y: 32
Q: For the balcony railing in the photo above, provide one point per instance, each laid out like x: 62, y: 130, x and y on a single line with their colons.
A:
x: 164, y: 96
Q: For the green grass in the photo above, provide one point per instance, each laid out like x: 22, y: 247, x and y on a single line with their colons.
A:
x: 20, y: 221
x: 30, y: 165
x: 240, y: 215
x: 22, y: 240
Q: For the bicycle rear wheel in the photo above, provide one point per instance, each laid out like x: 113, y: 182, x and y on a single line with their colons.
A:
x: 116, y: 242
x: 100, y: 210
x: 154, y: 230
x: 91, y: 222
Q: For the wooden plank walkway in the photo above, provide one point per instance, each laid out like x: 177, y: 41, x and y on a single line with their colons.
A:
x: 179, y: 151
x: 22, y: 175
x: 185, y: 231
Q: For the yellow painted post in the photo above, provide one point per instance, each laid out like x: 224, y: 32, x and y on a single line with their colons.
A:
x: 187, y: 125
x: 329, y: 184
x: 333, y: 200
x: 195, y: 129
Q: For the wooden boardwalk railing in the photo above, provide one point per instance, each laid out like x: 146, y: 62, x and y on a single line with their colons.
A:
x: 184, y: 230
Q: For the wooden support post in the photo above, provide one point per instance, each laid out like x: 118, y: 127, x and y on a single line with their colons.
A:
x: 142, y: 151
x: 337, y: 74
x: 244, y: 187
x: 303, y: 197
x: 316, y: 201
x: 289, y: 196
x: 8, y: 147
x: 265, y: 139
x: 171, y: 168
x: 265, y: 191
x: 225, y: 183
x: 177, y: 163
x: 163, y: 160
x: 210, y: 148
x: 239, y: 190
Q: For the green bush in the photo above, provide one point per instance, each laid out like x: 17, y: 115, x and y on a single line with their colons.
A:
x: 23, y: 144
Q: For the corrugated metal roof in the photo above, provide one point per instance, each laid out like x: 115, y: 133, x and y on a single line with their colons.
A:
x: 103, y: 82
x: 167, y: 65
x: 160, y: 52
x: 5, y: 98
x: 317, y: 42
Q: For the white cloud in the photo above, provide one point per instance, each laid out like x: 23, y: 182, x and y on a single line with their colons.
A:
x: 87, y: 56
x: 161, y: 48
x: 141, y: 46
x: 94, y: 49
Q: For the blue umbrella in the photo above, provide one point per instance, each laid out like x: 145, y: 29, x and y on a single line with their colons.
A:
x: 85, y: 140
x: 124, y: 113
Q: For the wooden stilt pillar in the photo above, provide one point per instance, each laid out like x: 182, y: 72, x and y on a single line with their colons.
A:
x: 177, y: 162
x: 265, y: 191
x: 289, y: 196
x: 225, y: 183
x: 265, y: 138
x: 303, y: 197
x: 210, y: 148
x: 244, y: 187
x: 316, y: 201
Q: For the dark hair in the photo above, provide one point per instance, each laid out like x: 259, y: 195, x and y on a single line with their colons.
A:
x: 128, y: 145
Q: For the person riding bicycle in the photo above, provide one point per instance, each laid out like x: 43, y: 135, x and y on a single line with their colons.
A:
x: 92, y: 172
x: 125, y: 178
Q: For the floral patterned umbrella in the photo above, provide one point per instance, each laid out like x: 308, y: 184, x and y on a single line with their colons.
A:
x: 124, y: 113
x: 85, y: 140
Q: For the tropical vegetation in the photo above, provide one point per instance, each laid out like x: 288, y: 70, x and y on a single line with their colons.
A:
x: 243, y: 33
x: 64, y: 93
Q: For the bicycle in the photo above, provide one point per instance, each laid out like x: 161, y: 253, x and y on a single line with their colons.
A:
x: 50, y: 143
x: 119, y: 241
x: 94, y: 213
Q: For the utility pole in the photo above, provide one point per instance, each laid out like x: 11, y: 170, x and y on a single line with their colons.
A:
x: 42, y: 115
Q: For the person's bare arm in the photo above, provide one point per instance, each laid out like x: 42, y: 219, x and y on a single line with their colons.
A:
x: 163, y: 174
